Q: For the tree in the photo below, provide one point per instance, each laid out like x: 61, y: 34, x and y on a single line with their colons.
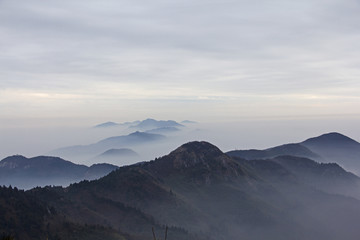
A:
x: 166, y: 230
x: 7, y: 237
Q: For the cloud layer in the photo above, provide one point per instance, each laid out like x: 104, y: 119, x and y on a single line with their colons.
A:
x: 237, y: 58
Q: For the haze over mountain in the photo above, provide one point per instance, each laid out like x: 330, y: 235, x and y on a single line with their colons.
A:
x: 26, y: 173
x: 116, y: 155
x: 328, y: 177
x: 149, y: 124
x: 92, y: 150
x: 292, y: 149
x: 119, y: 152
x: 188, y: 122
x: 335, y: 147
x: 206, y: 194
x: 148, y: 143
x: 330, y: 147
x: 163, y: 130
x: 254, y: 74
x: 114, y: 124
x: 106, y: 125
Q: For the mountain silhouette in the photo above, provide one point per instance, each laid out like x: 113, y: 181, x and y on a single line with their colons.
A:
x: 293, y: 149
x: 205, y: 194
x: 27, y: 173
x: 150, y: 123
x: 92, y: 150
x: 106, y: 125
x: 327, y: 148
x: 335, y: 147
x: 118, y: 153
x: 198, y: 161
x: 328, y: 177
x: 188, y: 122
x: 163, y: 130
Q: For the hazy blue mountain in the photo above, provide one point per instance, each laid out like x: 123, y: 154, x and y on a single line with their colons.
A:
x: 293, y: 149
x: 331, y: 147
x: 206, y: 194
x: 114, y: 124
x: 163, y: 130
x: 89, y: 151
x: 131, y: 139
x: 120, y: 152
x: 188, y: 122
x: 326, y: 176
x: 335, y: 147
x: 106, y: 125
x: 130, y: 123
x: 117, y: 155
x: 98, y: 170
x: 26, y: 173
x: 149, y: 124
x: 329, y: 177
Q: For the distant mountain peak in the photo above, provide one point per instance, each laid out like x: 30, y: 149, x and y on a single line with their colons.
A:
x: 199, y: 148
x: 106, y: 124
x: 293, y: 149
x: 142, y: 134
x: 12, y: 162
x: 199, y: 161
x: 149, y: 120
x: 118, y: 151
x: 17, y: 156
x: 116, y: 155
x: 135, y: 133
x: 330, y: 137
x: 188, y: 122
x: 150, y: 123
x: 27, y: 173
x: 163, y: 130
x: 336, y: 147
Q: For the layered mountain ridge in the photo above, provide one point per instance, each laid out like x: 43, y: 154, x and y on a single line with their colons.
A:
x: 326, y: 148
x: 26, y: 173
x: 202, y: 193
x: 124, y: 141
x: 200, y: 161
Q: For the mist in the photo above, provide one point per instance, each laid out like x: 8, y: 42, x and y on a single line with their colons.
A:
x: 196, y: 190
x: 249, y: 74
x: 32, y: 141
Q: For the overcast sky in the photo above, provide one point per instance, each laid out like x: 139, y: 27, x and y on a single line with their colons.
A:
x: 202, y: 59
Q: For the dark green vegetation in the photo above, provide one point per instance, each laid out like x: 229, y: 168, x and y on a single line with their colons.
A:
x: 200, y: 193
x: 27, y: 173
x: 7, y: 237
x: 23, y: 216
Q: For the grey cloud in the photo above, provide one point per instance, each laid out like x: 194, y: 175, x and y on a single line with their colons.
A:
x: 276, y: 45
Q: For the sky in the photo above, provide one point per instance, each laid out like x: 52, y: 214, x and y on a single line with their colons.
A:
x: 69, y: 61
x: 83, y: 62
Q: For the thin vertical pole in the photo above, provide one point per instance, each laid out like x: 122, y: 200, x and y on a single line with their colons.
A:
x: 153, y: 233
x: 166, y: 232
